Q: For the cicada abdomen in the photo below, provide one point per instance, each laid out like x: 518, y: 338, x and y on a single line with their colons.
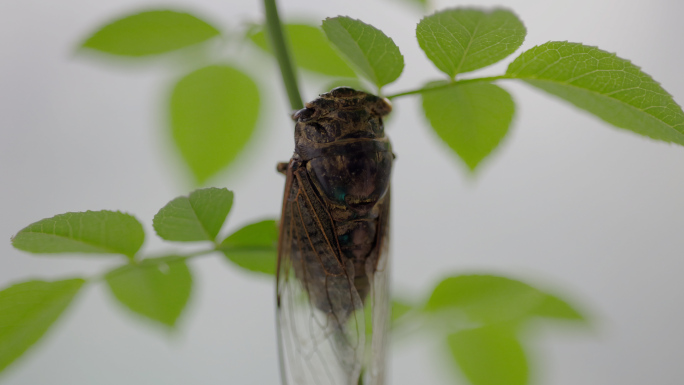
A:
x: 332, y: 259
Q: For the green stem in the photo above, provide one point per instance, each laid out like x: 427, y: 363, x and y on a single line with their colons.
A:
x: 282, y: 54
x: 447, y: 85
x: 101, y: 276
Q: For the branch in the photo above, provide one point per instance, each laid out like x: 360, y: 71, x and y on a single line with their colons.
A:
x: 282, y: 54
x: 447, y: 85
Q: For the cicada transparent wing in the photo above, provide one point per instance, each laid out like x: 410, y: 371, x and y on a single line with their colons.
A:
x: 321, y: 330
x: 380, y: 306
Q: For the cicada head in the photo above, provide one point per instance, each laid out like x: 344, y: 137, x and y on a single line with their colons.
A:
x: 342, y: 113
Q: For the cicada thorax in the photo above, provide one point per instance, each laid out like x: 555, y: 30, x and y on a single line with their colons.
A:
x: 342, y: 166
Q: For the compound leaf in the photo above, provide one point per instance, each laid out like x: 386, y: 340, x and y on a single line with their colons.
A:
x: 603, y: 84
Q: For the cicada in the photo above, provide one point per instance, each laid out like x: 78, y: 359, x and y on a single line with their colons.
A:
x: 332, y: 281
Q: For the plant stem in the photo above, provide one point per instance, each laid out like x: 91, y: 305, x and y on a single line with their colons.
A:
x: 447, y: 85
x: 282, y: 54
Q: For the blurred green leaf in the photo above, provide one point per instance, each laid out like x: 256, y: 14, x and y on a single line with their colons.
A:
x: 149, y: 33
x: 108, y: 232
x: 465, y: 39
x: 27, y: 310
x: 214, y: 111
x: 371, y: 52
x: 400, y: 308
x: 471, y: 118
x: 311, y: 50
x: 489, y: 356
x: 156, y: 288
x: 253, y: 247
x: 485, y: 298
x: 599, y: 82
x: 368, y: 320
x: 198, y: 217
x: 554, y: 307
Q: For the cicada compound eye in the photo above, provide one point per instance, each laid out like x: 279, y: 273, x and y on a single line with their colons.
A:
x: 304, y: 115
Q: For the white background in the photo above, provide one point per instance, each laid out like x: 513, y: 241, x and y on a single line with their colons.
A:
x: 567, y: 202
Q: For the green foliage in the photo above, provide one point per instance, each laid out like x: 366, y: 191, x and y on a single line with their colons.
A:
x: 400, y: 308
x: 253, y: 247
x: 371, y: 52
x: 149, y: 33
x: 106, y: 232
x: 471, y: 118
x: 214, y: 111
x: 310, y: 48
x: 156, y: 288
x: 554, y: 307
x: 489, y: 299
x: 485, y: 298
x: 599, y: 82
x: 485, y: 346
x: 465, y: 39
x: 197, y: 217
x: 489, y: 356
x: 27, y: 310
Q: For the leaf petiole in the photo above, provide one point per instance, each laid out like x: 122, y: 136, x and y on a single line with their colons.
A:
x: 447, y: 85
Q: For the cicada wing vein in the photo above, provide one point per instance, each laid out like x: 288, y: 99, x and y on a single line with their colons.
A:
x: 321, y: 337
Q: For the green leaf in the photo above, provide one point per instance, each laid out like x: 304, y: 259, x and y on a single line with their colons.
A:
x: 253, y: 247
x: 198, y: 217
x: 149, y: 33
x: 471, y: 118
x: 27, y: 310
x: 400, y: 308
x: 486, y: 298
x: 489, y: 356
x: 465, y: 39
x: 311, y: 50
x: 107, y: 232
x: 554, y: 307
x: 156, y: 288
x: 214, y: 111
x: 599, y: 82
x: 371, y: 52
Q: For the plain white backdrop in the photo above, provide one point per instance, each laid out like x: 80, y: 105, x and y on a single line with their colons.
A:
x: 567, y: 202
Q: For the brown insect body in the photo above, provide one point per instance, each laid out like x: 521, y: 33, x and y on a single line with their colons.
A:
x: 333, y: 236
